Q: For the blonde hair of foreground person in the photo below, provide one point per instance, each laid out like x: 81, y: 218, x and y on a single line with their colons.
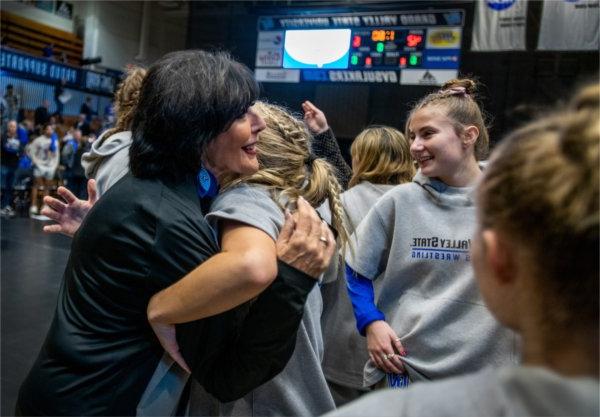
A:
x: 541, y: 190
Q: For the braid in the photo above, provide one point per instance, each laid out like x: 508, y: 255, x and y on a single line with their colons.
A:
x: 126, y: 100
x: 339, y: 218
x: 283, y: 153
x: 323, y: 185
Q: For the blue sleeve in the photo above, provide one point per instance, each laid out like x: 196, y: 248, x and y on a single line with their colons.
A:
x: 360, y: 290
x: 53, y: 142
x: 23, y: 136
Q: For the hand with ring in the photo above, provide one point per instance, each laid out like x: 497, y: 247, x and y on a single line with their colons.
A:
x: 300, y: 242
x: 385, y: 348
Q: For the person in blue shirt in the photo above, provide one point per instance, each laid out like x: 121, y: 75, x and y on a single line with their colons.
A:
x: 12, y: 148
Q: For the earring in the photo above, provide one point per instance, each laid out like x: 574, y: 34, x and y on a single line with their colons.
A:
x: 207, y: 183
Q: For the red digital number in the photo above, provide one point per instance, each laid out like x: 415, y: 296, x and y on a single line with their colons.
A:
x: 413, y: 40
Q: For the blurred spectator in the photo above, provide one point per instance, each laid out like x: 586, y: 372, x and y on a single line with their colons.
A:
x: 21, y: 115
x: 41, y: 115
x: 44, y: 155
x: 60, y: 97
x: 109, y: 116
x: 86, y: 108
x: 24, y: 173
x: 12, y: 147
x: 12, y: 103
x: 83, y: 125
x: 48, y: 51
x: 74, y: 174
x: 2, y: 112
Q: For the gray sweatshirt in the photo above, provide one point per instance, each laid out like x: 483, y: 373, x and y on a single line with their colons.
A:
x: 108, y: 160
x: 345, y: 349
x: 509, y: 391
x: 300, y: 389
x: 416, y: 239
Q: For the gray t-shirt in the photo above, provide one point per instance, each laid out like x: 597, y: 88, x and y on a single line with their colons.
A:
x: 345, y: 349
x: 416, y: 239
x: 300, y: 389
x: 508, y: 391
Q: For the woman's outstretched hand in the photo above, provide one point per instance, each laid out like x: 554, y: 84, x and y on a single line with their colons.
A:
x: 314, y: 118
x: 69, y: 214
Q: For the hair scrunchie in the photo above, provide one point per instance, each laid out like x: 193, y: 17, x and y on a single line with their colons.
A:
x: 310, y: 159
x: 456, y: 91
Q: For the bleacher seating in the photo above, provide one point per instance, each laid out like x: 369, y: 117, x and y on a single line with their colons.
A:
x: 30, y: 36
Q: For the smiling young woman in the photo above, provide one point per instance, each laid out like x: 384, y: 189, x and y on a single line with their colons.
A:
x: 535, y: 254
x: 429, y: 320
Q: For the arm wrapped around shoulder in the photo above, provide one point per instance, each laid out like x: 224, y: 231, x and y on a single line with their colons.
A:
x: 265, y: 341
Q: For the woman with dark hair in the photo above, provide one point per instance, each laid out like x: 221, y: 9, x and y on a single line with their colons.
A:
x: 147, y: 231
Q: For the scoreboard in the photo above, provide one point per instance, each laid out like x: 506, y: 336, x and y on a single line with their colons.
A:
x: 410, y: 48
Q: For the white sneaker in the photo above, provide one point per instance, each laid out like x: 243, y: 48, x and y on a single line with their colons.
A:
x: 33, y: 210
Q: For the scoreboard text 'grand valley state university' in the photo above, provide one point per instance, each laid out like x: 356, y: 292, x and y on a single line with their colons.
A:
x: 409, y: 48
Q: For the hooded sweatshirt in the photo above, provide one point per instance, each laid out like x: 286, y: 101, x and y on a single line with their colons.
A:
x: 345, y: 349
x: 108, y: 160
x: 509, y: 391
x: 417, y: 239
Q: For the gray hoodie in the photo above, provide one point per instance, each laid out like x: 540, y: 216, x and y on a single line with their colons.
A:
x: 108, y: 160
x: 416, y: 239
x: 345, y: 349
x: 508, y: 391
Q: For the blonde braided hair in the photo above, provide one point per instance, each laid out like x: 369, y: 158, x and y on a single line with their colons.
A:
x: 287, y: 169
x: 126, y: 100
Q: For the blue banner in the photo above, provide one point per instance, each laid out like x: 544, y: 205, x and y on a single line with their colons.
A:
x: 51, y: 72
x: 441, y: 58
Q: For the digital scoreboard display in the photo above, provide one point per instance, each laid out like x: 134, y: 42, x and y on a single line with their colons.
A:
x: 402, y: 47
x: 319, y: 48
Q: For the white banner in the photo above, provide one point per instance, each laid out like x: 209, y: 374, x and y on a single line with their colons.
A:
x: 570, y: 25
x: 426, y: 77
x: 499, y: 25
x: 269, y: 58
x: 277, y: 75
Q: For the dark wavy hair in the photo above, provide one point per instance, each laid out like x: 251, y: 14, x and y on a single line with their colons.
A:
x: 187, y: 98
